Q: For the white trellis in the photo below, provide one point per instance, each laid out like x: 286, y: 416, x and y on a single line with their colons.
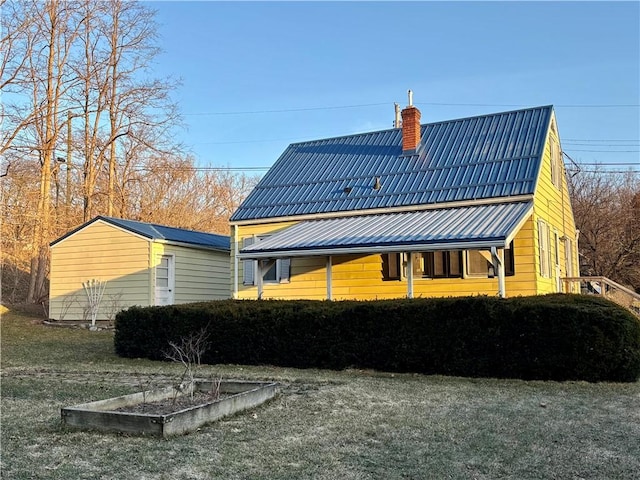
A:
x: 94, y: 290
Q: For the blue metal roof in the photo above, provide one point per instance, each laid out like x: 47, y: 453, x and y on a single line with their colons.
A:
x: 154, y: 231
x: 472, y: 158
x: 473, y: 227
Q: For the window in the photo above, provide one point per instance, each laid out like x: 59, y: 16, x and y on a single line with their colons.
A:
x: 543, y: 249
x: 391, y: 266
x: 479, y: 263
x: 440, y: 264
x: 271, y: 273
x: 274, y: 271
x: 568, y: 255
x: 162, y: 272
x: 557, y: 166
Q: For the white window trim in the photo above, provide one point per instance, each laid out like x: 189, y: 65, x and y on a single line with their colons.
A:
x: 281, y: 263
x: 557, y: 166
x: 544, y: 252
x: 568, y: 256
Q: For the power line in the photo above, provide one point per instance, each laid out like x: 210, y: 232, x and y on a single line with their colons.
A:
x: 201, y: 169
x: 609, y: 172
x: 362, y: 105
x: 522, y: 105
x: 285, y: 110
x: 603, y: 151
x: 600, y: 140
x: 609, y: 163
x: 603, y: 144
x: 232, y: 142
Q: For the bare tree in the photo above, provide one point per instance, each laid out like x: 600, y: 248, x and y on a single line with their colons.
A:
x: 116, y: 102
x: 16, y: 47
x: 173, y: 191
x: 50, y: 82
x: 607, y: 212
x: 87, y: 130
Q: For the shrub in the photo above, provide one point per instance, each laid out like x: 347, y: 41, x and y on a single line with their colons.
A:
x: 553, y: 337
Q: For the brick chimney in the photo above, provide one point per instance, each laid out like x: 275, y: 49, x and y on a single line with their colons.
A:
x: 410, y: 127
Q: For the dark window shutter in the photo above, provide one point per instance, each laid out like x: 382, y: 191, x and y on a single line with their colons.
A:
x: 248, y: 266
x: 391, y: 266
x: 509, y: 261
x: 285, y: 270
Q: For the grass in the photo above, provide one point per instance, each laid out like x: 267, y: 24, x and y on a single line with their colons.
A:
x: 324, y: 425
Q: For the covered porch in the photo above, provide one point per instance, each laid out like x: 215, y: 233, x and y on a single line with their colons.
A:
x: 488, y: 229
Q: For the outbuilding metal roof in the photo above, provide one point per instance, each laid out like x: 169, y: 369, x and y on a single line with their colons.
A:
x: 472, y: 158
x: 154, y: 231
x: 473, y: 227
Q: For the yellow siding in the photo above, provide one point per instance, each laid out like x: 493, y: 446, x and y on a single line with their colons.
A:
x: 553, y: 206
x: 360, y: 277
x: 104, y: 252
x: 126, y: 262
x: 237, y: 236
x: 200, y: 275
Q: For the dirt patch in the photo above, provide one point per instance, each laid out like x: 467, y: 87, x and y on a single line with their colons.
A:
x: 171, y: 405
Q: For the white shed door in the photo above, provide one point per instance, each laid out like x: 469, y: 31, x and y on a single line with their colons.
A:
x: 165, y: 280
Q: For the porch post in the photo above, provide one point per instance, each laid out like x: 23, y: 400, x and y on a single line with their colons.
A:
x: 329, y: 286
x: 409, y: 275
x: 259, y: 279
x: 498, y: 264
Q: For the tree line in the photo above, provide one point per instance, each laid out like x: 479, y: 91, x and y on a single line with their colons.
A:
x: 87, y: 129
x: 606, y: 207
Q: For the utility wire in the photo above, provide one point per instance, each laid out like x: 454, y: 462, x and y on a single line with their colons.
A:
x: 285, y: 110
x: 600, y: 140
x: 603, y: 151
x: 609, y: 163
x: 603, y: 144
x: 337, y: 107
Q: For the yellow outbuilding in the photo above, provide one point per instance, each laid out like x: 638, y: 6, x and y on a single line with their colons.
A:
x: 119, y: 263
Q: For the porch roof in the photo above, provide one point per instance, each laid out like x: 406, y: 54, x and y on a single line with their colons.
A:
x: 471, y: 227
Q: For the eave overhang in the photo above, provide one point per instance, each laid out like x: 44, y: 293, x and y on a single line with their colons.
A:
x: 478, y: 227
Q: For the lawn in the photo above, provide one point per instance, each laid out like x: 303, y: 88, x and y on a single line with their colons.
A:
x: 323, y: 425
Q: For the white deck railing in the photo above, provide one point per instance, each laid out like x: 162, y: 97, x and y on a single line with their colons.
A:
x: 604, y: 287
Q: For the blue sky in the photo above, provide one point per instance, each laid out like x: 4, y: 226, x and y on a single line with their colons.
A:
x: 260, y: 75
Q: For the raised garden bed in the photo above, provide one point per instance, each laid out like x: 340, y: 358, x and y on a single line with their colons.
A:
x: 124, y: 414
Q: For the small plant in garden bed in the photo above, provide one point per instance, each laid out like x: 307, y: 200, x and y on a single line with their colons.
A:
x: 189, y: 351
x: 178, y: 402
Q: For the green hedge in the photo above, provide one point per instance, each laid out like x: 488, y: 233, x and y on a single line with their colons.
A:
x: 553, y: 337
